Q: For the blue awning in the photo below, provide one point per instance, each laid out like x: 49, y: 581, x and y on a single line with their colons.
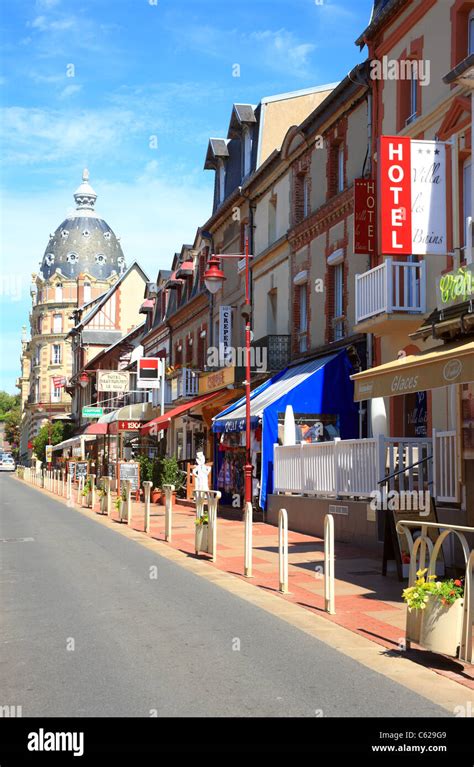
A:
x: 320, y: 386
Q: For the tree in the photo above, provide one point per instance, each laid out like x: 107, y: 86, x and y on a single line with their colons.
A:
x: 12, y: 430
x: 59, y: 431
x: 8, y: 402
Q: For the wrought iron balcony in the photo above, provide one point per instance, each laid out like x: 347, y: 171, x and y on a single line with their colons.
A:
x: 271, y: 353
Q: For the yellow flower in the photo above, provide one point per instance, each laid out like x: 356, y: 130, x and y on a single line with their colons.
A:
x: 422, y: 572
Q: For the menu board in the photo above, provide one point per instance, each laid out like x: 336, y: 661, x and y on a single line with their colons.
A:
x: 71, y: 470
x: 130, y: 470
x: 82, y: 469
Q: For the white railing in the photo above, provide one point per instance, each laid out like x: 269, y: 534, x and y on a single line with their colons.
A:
x: 393, y: 286
x: 355, y: 467
x: 186, y: 384
x: 445, y: 466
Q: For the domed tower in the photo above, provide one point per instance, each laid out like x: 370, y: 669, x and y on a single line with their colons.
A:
x: 82, y: 260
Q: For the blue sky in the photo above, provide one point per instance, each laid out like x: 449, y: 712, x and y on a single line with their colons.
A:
x: 87, y: 83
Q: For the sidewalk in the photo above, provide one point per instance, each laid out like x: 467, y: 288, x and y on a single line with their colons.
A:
x: 366, y: 602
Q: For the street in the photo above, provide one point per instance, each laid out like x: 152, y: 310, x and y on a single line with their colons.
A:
x: 88, y: 631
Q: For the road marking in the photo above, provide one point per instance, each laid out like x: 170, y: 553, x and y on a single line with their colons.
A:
x: 16, y: 540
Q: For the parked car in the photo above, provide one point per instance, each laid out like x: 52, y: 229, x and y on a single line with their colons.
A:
x: 7, y: 462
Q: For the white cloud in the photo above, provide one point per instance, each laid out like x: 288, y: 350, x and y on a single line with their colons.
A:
x: 282, y: 51
x: 70, y: 90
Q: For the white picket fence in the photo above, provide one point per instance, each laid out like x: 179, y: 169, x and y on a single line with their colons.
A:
x: 354, y: 467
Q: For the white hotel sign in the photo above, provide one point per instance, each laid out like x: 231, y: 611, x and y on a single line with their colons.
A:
x: 412, y: 196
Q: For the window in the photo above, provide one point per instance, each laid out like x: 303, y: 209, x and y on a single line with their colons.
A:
x: 470, y: 34
x: 272, y: 312
x: 220, y: 182
x: 413, y: 98
x: 303, y: 307
x: 247, y: 152
x: 57, y: 323
x: 37, y: 390
x: 58, y: 292
x: 338, y: 318
x: 306, y: 196
x: 272, y: 205
x: 340, y: 168
x: 55, y: 392
x: 56, y: 355
x: 37, y: 354
x: 87, y: 292
x: 40, y: 324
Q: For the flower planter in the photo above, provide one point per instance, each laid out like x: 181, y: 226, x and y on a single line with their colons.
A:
x: 120, y: 509
x: 162, y: 500
x: 201, y: 538
x: 155, y: 496
x: 441, y: 626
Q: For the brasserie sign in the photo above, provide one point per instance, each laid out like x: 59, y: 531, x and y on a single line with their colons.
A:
x: 456, y: 287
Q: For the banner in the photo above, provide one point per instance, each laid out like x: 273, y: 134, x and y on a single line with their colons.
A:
x: 113, y: 380
x: 225, y: 334
x: 364, y: 216
x: 412, y: 196
x: 59, y: 382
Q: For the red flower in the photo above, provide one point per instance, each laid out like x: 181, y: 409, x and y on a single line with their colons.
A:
x: 457, y: 582
x: 451, y: 593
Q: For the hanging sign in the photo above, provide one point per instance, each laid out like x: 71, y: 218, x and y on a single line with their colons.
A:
x: 113, y: 380
x: 150, y: 372
x: 59, y: 382
x: 364, y: 216
x: 412, y: 196
x: 456, y: 287
x: 225, y: 335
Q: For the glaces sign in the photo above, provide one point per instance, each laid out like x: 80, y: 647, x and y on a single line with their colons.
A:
x: 412, y: 196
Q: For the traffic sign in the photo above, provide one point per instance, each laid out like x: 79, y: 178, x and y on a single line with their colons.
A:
x: 92, y: 412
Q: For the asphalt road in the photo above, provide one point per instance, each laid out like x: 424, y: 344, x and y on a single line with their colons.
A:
x: 85, y: 631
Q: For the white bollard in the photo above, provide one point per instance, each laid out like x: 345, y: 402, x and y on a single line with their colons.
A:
x: 108, y: 499
x: 79, y: 496
x: 169, y: 490
x: 213, y: 497
x: 147, y: 485
x: 69, y: 487
x: 128, y: 502
x: 248, y: 525
x: 92, y: 494
x: 283, y: 551
x: 329, y: 600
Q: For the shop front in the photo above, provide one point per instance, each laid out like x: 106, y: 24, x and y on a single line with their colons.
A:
x: 320, y: 394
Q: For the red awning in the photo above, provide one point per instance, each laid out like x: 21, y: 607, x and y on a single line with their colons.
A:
x: 163, y: 421
x: 96, y: 428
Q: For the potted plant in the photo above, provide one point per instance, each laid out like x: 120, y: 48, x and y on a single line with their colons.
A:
x: 119, y: 503
x: 87, y: 491
x: 170, y: 475
x: 102, y: 498
x: 201, y: 537
x: 156, y: 471
x: 440, y: 605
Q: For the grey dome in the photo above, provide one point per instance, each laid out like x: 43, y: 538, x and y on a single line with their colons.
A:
x: 83, y: 242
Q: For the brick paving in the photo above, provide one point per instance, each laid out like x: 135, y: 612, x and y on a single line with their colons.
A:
x: 367, y: 603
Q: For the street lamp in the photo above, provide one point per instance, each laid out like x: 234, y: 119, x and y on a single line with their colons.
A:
x: 213, y: 279
x: 83, y: 380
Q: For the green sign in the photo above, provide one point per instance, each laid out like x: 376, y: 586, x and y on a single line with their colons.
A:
x: 456, y: 287
x: 92, y: 412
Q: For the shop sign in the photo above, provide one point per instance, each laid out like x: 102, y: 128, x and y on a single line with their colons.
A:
x: 209, y: 382
x: 92, y: 412
x: 129, y: 425
x: 150, y: 372
x: 49, y: 453
x: 456, y: 287
x: 364, y: 216
x: 225, y: 334
x: 412, y: 196
x: 59, y: 382
x: 113, y: 380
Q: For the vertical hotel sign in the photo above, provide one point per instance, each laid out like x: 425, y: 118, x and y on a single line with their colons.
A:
x: 412, y: 197
x: 364, y: 216
x: 225, y: 335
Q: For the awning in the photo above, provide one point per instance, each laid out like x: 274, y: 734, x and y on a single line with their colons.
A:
x: 97, y: 429
x: 72, y: 442
x: 163, y: 421
x: 442, y: 366
x: 234, y: 417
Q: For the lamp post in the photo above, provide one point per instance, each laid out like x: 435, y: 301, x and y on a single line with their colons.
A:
x: 214, y: 278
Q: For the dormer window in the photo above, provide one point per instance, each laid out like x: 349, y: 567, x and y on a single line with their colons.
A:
x: 221, y: 181
x: 246, y: 152
x: 100, y: 259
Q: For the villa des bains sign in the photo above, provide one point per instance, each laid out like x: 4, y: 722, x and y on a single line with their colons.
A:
x: 412, y: 196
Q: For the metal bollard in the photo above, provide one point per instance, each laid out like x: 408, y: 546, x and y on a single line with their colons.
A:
x: 283, y: 550
x: 63, y: 483
x: 147, y: 485
x: 169, y: 490
x: 128, y: 502
x: 80, y: 497
x: 92, y: 493
x: 248, y: 525
x: 329, y: 599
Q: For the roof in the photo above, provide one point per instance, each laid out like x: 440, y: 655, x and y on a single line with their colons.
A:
x: 241, y: 114
x: 461, y: 69
x: 217, y: 147
x: 382, y: 11
x: 103, y: 300
x: 101, y: 337
x: 123, y: 338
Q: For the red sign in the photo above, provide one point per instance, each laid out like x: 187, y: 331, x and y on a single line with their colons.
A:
x: 30, y: 445
x: 59, y: 381
x: 130, y: 425
x: 394, y: 167
x: 364, y: 216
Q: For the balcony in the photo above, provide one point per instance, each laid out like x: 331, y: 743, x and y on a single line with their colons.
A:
x: 271, y: 352
x: 391, y: 297
x: 185, y: 384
